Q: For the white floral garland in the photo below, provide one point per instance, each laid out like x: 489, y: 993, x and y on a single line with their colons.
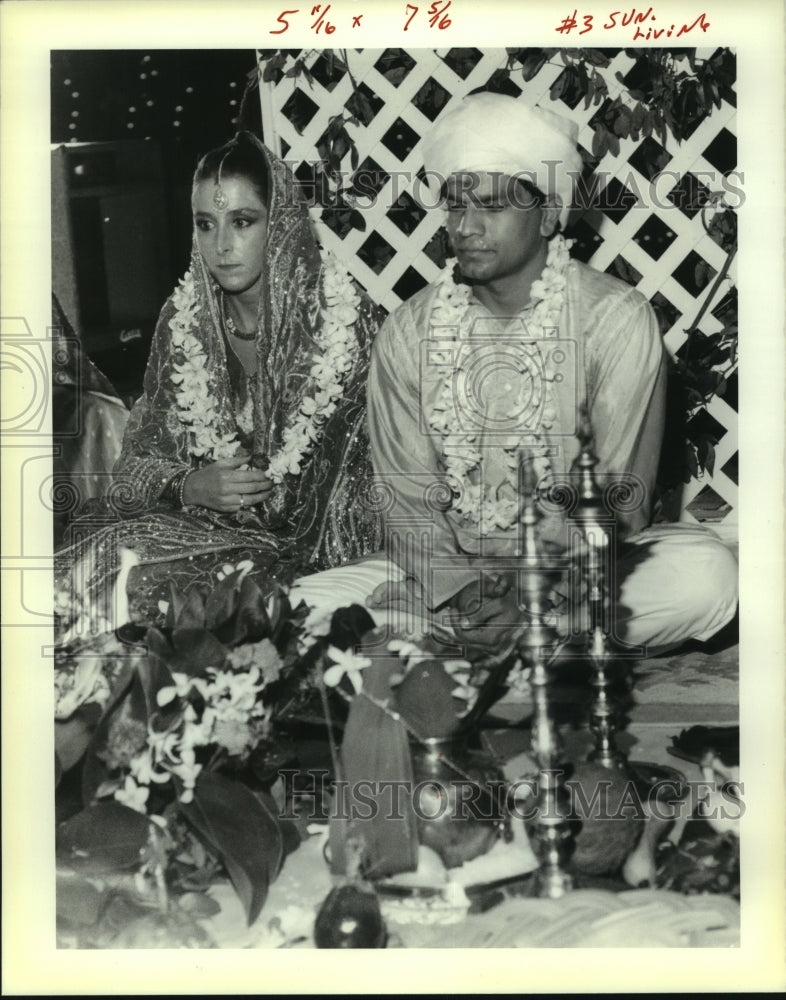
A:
x: 197, y: 406
x: 460, y: 449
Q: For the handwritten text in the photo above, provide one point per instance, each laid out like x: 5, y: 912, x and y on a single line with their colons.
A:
x: 642, y: 21
x: 320, y: 15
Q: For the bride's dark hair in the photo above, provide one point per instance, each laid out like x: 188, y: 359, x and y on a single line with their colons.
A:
x: 240, y: 157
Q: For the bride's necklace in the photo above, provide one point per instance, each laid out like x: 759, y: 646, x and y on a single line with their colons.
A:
x: 231, y: 326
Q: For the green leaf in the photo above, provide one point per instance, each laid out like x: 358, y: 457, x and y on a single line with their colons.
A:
x: 367, y: 110
x: 702, y: 450
x: 190, y: 651
x: 252, y: 622
x: 77, y: 901
x: 396, y: 75
x: 104, y: 838
x: 532, y: 63
x: 558, y: 87
x: 94, y: 771
x: 221, y: 602
x: 271, y: 68
x: 154, y: 674
x: 600, y: 141
x: 692, y: 464
x: 424, y: 699
x: 709, y: 459
x: 73, y: 735
x: 335, y: 126
x: 622, y: 122
x: 582, y: 77
x: 278, y: 607
x: 375, y: 744
x: 191, y: 613
x: 158, y: 644
x: 590, y: 95
x: 195, y: 649
x: 243, y: 830
x: 176, y: 601
x: 340, y: 147
x: 596, y: 58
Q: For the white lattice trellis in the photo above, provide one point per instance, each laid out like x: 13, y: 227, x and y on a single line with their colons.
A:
x: 391, y: 141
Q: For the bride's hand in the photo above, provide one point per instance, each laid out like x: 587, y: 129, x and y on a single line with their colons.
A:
x: 227, y: 485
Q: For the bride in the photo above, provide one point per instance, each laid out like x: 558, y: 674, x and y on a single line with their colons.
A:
x: 248, y: 446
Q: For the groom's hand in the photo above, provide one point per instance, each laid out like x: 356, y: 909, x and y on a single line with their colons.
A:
x: 405, y: 595
x: 488, y: 609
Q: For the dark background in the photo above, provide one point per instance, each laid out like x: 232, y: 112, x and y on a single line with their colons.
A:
x: 130, y: 127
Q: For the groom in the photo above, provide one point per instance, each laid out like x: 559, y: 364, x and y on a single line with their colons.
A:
x: 501, y: 355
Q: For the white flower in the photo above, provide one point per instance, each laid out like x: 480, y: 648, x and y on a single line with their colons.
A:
x: 461, y: 452
x: 199, y: 734
x: 518, y: 678
x: 243, y: 567
x: 316, y: 625
x: 409, y: 652
x: 346, y: 662
x: 132, y: 795
x: 182, y: 688
x: 143, y: 769
x: 346, y: 314
x: 188, y: 772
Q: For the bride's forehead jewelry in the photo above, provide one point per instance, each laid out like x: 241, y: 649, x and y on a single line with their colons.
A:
x: 220, y: 199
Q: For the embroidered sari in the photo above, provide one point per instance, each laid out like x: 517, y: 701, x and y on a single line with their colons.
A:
x: 311, y: 520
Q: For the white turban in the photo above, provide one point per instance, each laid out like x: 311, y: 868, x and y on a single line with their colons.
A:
x: 501, y: 134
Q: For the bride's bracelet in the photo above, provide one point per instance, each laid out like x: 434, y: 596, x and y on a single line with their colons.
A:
x: 174, y: 490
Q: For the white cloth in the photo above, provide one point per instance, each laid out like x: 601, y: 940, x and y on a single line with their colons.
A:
x: 679, y: 583
x: 496, y: 133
